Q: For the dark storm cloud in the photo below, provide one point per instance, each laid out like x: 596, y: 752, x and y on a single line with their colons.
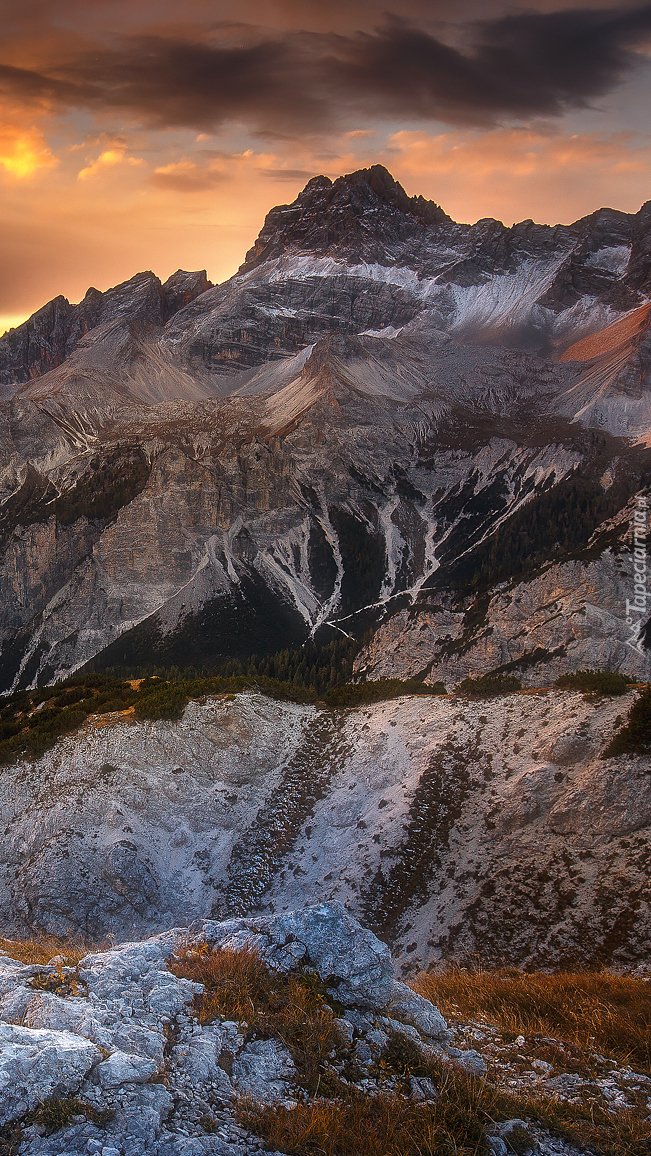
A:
x: 517, y: 66
x: 510, y: 68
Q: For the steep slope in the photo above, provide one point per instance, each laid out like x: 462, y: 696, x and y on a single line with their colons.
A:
x: 451, y: 827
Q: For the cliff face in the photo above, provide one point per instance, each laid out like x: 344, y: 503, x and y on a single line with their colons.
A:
x: 355, y: 431
x: 449, y: 826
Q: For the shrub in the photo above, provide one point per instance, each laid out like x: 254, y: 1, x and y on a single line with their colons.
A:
x: 355, y: 694
x: 489, y: 685
x: 635, y: 736
x: 595, y: 682
x: 164, y: 701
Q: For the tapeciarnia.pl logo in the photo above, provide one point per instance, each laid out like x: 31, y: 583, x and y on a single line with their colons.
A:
x: 636, y: 608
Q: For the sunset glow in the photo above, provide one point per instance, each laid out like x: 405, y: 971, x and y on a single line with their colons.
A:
x: 131, y: 139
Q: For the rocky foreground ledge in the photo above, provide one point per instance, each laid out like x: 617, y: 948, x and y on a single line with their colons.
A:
x: 123, y: 1038
x: 110, y: 1057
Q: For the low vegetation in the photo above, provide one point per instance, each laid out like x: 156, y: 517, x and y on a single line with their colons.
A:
x: 43, y: 948
x: 489, y: 686
x: 358, y: 693
x: 574, y: 1020
x: 596, y: 683
x: 595, y: 1011
x: 32, y: 721
x: 383, y: 1125
x: 568, y: 1017
x: 635, y: 736
x: 293, y: 1007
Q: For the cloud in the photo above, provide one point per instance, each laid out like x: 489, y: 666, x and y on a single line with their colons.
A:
x: 505, y: 69
x: 107, y: 159
x: 513, y: 173
x: 185, y: 177
x: 512, y: 68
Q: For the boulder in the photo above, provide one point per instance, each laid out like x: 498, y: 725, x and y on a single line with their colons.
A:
x: 264, y: 1070
x: 409, y: 1007
x: 354, y: 964
x: 123, y: 1069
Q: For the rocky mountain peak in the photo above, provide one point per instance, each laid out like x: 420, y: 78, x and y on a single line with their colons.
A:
x: 356, y: 217
x: 51, y: 334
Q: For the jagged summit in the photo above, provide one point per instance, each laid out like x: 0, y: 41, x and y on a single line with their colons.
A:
x: 53, y: 333
x: 357, y: 215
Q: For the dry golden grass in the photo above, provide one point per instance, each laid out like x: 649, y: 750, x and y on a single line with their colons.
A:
x: 456, y: 1123
x: 383, y: 1125
x: 594, y: 1011
x: 337, y: 1119
x: 292, y: 1008
x: 45, y: 948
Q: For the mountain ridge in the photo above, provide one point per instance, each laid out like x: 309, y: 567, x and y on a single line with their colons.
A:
x: 372, y: 396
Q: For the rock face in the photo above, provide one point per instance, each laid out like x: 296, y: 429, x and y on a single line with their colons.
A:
x: 356, y: 429
x: 450, y: 827
x: 51, y: 335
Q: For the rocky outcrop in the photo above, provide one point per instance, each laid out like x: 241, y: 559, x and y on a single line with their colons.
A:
x: 47, y: 338
x: 111, y: 1039
x: 354, y: 963
x: 451, y: 827
x: 126, y: 1067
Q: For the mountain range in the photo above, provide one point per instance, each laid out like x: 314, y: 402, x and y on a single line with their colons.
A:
x: 423, y: 435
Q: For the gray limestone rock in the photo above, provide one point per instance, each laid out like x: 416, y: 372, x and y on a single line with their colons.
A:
x: 264, y: 1069
x: 352, y: 961
x: 348, y: 958
x: 121, y: 1068
x: 406, y: 1005
x: 36, y: 1064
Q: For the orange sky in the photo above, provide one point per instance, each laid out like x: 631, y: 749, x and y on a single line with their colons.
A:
x: 130, y: 140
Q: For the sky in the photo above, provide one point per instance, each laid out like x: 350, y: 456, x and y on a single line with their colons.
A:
x: 146, y: 134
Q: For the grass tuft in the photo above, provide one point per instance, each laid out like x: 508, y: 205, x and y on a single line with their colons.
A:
x: 46, y: 947
x: 382, y: 1125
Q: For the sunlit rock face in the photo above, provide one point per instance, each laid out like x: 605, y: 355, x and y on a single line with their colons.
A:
x: 451, y: 828
x: 336, y: 439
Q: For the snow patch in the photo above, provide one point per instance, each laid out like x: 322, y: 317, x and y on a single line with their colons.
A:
x: 612, y: 258
x: 389, y: 332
